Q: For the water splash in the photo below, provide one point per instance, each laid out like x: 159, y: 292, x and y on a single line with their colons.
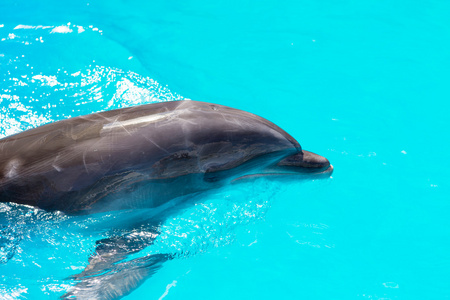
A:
x: 38, y: 88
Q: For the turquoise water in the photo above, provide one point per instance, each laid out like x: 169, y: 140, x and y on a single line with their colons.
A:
x: 363, y: 83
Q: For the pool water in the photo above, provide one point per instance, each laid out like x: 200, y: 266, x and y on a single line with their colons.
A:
x: 363, y: 83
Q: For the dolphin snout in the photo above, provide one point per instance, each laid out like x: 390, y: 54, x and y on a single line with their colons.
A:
x: 312, y: 160
x: 307, y: 162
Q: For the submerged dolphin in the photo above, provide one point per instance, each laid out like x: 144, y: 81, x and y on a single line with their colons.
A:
x: 142, y: 157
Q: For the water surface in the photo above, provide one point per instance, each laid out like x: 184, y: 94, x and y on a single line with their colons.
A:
x: 364, y: 84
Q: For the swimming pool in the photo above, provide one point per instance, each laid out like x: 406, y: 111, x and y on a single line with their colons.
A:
x: 363, y: 83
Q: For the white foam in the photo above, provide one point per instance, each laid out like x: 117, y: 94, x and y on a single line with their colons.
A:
x: 61, y: 29
x: 46, y: 80
x: 24, y: 27
x: 168, y: 287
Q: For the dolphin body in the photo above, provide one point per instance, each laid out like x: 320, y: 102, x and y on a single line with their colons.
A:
x: 142, y: 157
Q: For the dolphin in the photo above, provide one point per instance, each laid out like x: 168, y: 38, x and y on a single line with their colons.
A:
x: 149, y: 157
x: 150, y: 154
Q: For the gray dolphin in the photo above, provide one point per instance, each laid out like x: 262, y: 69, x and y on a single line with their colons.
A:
x: 151, y: 153
x: 142, y: 157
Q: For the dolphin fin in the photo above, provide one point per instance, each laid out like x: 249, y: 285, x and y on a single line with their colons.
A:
x: 119, y: 280
x: 109, y: 275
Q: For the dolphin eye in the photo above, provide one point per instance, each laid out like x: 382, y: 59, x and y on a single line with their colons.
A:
x: 214, y: 107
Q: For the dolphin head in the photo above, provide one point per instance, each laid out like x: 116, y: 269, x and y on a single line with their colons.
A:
x: 234, y: 144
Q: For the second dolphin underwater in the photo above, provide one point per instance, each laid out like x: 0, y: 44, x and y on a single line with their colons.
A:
x: 151, y: 156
